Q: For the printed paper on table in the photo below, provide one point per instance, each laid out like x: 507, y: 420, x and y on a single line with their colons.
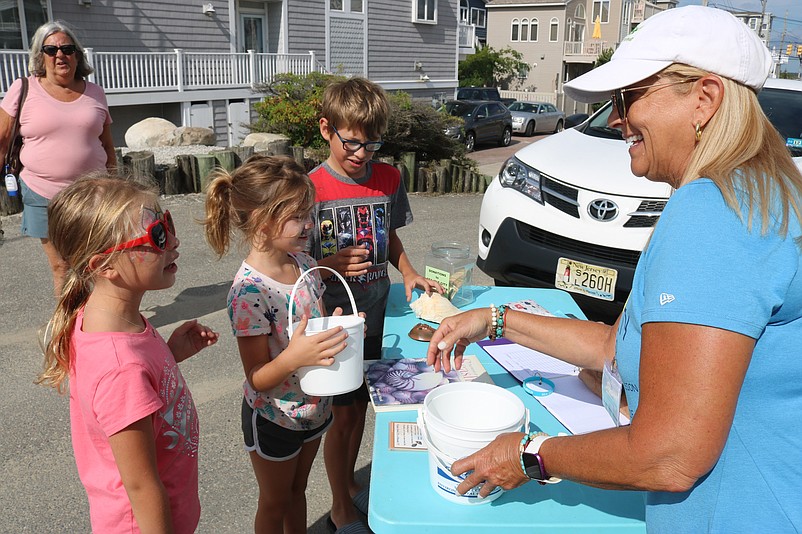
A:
x: 402, y: 384
x: 572, y: 403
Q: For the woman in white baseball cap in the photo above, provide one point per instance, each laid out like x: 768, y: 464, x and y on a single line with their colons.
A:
x: 707, y: 345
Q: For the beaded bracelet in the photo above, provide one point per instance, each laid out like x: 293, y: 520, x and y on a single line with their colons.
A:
x: 501, y: 321
x: 524, y: 442
x: 493, y: 318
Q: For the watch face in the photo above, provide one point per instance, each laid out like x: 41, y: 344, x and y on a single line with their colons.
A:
x: 532, y: 466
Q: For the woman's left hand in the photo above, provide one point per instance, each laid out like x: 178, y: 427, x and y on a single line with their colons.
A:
x: 190, y: 338
x: 498, y: 464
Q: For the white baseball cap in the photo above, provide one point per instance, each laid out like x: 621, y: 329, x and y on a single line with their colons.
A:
x: 703, y: 37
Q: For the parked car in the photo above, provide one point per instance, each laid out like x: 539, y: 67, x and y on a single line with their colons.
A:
x: 529, y: 118
x: 567, y: 212
x: 482, y: 93
x: 576, y: 119
x: 483, y: 121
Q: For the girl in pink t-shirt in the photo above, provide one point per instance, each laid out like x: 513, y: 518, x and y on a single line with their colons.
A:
x: 270, y: 201
x: 133, y: 422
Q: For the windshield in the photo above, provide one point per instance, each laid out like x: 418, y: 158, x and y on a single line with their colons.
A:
x: 459, y: 109
x: 523, y: 106
x: 597, y: 126
x: 784, y: 110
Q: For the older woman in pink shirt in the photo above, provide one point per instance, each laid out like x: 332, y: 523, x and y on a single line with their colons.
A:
x: 65, y: 126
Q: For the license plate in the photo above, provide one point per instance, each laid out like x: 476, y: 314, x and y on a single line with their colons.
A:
x: 585, y: 279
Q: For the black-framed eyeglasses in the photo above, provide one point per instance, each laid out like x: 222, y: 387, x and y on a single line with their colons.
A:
x: 353, y: 146
x: 620, y: 103
x: 52, y: 50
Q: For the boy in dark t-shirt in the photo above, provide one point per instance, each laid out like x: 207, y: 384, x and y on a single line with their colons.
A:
x: 359, y: 206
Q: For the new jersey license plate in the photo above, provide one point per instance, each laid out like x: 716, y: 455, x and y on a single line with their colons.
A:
x: 585, y: 279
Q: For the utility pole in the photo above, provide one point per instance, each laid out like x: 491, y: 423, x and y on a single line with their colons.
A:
x: 762, y: 20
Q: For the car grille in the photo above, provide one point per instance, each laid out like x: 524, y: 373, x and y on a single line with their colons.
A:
x: 561, y: 196
x: 571, y: 246
x: 646, y: 216
x: 564, y: 198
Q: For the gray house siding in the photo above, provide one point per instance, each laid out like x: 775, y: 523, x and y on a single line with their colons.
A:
x: 307, y: 27
x: 274, y: 14
x: 220, y: 121
x: 147, y: 25
x: 395, y: 42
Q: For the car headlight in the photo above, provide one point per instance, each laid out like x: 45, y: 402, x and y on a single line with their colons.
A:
x: 517, y: 120
x: 453, y: 131
x: 520, y: 177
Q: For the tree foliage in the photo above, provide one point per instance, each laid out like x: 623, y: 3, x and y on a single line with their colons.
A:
x: 605, y: 56
x: 490, y: 68
x: 292, y: 107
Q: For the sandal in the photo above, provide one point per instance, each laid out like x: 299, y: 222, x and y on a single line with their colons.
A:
x: 360, y: 500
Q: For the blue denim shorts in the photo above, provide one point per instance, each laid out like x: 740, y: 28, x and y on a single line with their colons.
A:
x: 34, y: 212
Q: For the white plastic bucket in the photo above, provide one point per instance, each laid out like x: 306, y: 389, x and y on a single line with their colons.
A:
x: 473, y: 410
x: 346, y: 373
x: 443, y: 482
x: 459, y: 447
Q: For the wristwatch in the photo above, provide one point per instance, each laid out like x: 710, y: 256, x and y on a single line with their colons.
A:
x: 532, y: 462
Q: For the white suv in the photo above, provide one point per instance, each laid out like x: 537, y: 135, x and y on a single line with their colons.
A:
x: 567, y: 212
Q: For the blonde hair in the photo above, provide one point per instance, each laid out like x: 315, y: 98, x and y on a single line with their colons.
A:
x: 97, y: 212
x: 265, y: 192
x: 357, y: 103
x: 741, y: 150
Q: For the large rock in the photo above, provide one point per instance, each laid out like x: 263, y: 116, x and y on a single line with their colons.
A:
x: 270, y: 142
x: 147, y: 132
x: 188, y: 135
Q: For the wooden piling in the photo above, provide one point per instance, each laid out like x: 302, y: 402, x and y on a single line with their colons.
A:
x: 141, y: 164
x: 206, y: 164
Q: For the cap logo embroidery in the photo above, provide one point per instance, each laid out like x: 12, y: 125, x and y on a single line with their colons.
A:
x: 665, y: 298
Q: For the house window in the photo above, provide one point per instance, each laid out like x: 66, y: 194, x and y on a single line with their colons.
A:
x: 17, y: 30
x: 478, y: 17
x: 464, y: 11
x: 580, y: 11
x: 601, y: 9
x: 524, y: 29
x: 554, y: 29
x: 533, y: 30
x: 348, y: 6
x: 424, y: 11
x: 516, y: 26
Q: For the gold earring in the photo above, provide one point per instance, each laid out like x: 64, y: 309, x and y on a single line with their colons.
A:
x: 698, y: 131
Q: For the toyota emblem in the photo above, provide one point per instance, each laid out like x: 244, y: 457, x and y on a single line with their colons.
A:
x: 603, y: 210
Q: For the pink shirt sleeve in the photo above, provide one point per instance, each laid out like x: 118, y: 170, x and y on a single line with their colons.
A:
x: 124, y: 396
x: 9, y: 103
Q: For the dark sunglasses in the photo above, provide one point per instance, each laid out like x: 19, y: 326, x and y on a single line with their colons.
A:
x: 52, y: 50
x: 619, y: 100
x: 155, y: 235
x: 353, y: 146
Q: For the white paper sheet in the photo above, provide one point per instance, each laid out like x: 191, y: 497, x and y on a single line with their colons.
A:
x: 572, y: 403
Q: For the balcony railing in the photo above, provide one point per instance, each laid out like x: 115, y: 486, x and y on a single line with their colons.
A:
x: 136, y: 72
x: 585, y: 48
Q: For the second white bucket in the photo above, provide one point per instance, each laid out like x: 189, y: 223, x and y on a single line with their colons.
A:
x: 346, y: 373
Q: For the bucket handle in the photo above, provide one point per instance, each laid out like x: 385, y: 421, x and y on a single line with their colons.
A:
x: 301, y: 278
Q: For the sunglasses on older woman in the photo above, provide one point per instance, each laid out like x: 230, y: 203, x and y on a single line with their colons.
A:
x: 52, y: 50
x: 155, y: 235
x: 619, y: 100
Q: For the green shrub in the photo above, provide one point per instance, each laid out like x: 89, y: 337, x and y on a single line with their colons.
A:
x: 415, y: 126
x: 292, y: 105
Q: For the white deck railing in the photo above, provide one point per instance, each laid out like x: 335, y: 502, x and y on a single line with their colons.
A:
x: 136, y: 72
x: 585, y: 48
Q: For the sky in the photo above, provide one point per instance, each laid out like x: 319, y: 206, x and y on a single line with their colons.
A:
x: 787, y: 18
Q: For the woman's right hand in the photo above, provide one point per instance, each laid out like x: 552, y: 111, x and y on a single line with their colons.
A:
x: 455, y: 334
x: 316, y: 349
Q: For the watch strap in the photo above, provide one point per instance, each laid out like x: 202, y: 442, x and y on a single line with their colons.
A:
x: 533, y: 448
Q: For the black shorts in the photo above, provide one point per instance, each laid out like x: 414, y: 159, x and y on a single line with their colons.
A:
x: 272, y: 441
x: 372, y: 351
